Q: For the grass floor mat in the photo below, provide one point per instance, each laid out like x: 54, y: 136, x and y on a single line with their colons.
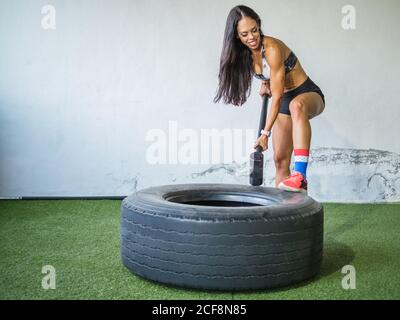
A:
x: 80, y: 239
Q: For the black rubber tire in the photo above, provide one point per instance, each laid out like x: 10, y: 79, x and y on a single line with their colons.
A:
x: 222, y: 248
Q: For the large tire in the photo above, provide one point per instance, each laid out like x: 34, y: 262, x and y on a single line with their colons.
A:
x: 221, y: 236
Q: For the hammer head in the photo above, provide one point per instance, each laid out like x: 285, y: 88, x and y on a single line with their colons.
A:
x: 256, y: 167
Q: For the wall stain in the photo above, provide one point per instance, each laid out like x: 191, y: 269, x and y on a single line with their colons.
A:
x: 233, y: 169
x: 376, y: 172
x: 360, y: 174
x: 132, y: 183
x: 356, y: 157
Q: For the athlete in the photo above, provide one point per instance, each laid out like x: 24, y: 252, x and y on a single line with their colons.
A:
x: 296, y: 99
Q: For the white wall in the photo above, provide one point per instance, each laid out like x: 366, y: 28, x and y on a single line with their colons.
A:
x: 77, y: 102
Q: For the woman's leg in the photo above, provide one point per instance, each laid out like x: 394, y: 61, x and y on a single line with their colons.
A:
x: 282, y: 146
x: 303, y: 108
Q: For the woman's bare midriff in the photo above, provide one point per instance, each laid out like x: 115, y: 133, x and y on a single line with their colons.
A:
x: 294, y: 79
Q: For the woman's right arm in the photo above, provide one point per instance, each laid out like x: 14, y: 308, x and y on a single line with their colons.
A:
x: 277, y: 86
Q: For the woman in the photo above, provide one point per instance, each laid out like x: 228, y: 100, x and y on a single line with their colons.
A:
x: 296, y: 98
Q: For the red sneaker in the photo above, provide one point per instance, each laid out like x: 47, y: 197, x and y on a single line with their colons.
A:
x: 295, y: 183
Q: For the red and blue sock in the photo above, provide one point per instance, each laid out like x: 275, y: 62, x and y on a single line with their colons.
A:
x: 301, y: 161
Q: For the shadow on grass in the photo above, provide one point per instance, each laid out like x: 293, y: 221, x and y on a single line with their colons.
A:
x: 336, y: 256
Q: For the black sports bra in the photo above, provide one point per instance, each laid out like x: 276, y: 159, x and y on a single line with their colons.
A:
x: 289, y: 63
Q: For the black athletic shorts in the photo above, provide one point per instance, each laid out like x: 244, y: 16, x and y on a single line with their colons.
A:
x: 307, y: 86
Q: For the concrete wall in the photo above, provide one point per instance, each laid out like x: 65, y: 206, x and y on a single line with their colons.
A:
x: 118, y: 96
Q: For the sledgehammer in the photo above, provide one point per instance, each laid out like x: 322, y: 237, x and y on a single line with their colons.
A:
x: 257, y: 157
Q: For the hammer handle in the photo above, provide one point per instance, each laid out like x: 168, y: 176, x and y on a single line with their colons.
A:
x: 264, y: 111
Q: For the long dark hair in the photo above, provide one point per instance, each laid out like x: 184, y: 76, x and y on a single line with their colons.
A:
x: 235, y: 70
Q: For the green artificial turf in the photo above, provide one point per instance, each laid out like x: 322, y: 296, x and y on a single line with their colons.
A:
x: 80, y: 238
